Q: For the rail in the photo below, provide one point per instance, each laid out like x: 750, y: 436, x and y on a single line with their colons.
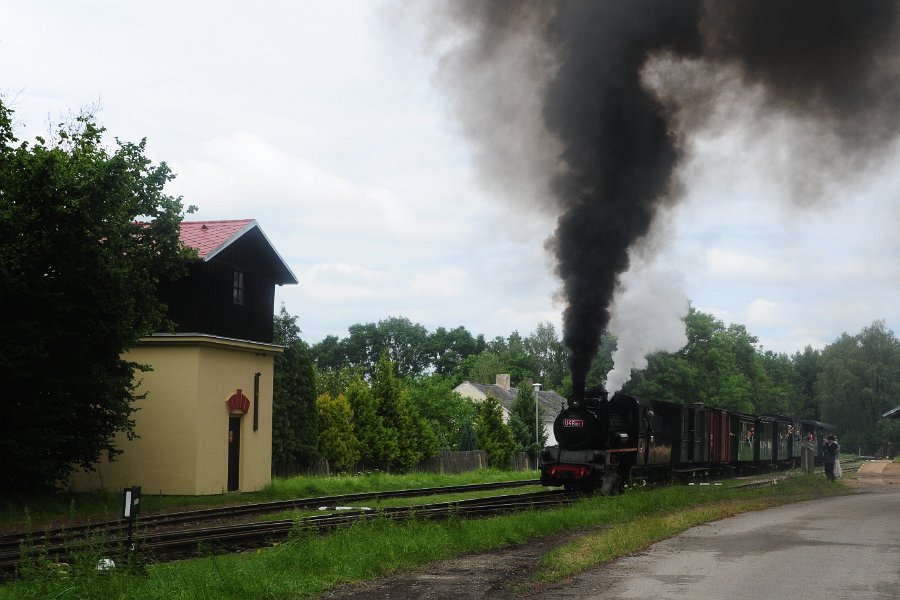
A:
x: 60, y: 544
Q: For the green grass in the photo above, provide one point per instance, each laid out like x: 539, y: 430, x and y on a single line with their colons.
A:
x: 16, y: 512
x: 310, y: 563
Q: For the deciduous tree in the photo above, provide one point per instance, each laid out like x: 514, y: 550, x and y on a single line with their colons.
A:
x: 449, y: 349
x: 446, y: 412
x: 859, y: 379
x: 86, y: 234
x: 549, y: 356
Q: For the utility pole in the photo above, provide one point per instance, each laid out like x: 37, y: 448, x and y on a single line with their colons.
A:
x: 537, y: 434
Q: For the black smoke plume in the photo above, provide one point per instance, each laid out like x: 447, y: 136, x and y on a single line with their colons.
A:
x: 616, y: 147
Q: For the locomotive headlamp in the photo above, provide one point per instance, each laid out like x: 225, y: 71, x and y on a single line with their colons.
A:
x: 623, y: 437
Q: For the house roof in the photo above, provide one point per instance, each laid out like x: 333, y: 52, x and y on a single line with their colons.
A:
x: 209, y: 238
x: 550, y: 401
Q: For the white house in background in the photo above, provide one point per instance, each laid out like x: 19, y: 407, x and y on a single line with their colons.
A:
x: 551, y: 402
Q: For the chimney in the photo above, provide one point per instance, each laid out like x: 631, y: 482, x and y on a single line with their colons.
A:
x: 503, y: 380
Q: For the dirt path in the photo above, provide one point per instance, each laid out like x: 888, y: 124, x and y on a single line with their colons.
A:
x: 504, y: 574
x: 501, y: 574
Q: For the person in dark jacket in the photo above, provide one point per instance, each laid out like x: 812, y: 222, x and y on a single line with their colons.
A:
x: 831, y: 451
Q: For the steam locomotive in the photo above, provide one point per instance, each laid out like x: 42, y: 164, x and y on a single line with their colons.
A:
x: 604, y: 443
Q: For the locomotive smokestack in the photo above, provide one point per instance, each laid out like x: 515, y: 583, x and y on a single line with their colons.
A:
x: 617, y: 140
x: 576, y: 398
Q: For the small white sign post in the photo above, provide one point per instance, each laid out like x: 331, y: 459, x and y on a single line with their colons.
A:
x: 130, y: 509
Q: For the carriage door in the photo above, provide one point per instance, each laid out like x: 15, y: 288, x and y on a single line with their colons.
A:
x: 234, y: 452
x: 684, y: 446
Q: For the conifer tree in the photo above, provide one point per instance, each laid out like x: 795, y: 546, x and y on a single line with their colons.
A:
x: 494, y: 436
x: 522, y: 422
x: 415, y: 439
x: 294, y: 427
x: 378, y: 443
x: 337, y: 441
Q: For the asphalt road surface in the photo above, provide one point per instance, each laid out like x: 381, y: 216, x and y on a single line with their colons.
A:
x: 835, y: 548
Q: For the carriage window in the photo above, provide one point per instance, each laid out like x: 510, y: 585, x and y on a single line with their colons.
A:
x: 237, y: 295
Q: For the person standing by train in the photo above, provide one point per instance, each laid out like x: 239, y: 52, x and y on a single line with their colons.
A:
x: 831, y: 452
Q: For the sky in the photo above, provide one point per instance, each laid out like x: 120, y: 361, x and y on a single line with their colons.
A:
x: 327, y: 123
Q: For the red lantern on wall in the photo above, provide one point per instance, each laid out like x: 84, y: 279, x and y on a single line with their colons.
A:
x: 238, y: 402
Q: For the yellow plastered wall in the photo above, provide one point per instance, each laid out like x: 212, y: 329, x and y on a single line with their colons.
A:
x: 183, y: 420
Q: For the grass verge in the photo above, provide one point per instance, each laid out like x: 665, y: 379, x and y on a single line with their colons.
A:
x: 311, y: 563
x: 16, y: 513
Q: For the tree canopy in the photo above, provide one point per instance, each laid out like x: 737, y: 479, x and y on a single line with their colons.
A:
x: 859, y: 379
x: 86, y: 234
x: 847, y: 383
x: 720, y: 366
x: 446, y: 412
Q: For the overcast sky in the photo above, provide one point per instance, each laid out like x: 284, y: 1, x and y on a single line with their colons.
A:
x: 323, y: 121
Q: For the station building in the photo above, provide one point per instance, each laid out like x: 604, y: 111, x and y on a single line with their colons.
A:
x: 205, y: 425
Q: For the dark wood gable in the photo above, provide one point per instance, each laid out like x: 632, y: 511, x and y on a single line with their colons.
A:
x: 230, y: 293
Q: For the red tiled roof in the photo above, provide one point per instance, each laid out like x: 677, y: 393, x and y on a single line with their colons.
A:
x: 208, y: 237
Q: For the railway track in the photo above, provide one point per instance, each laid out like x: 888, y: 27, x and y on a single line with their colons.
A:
x: 242, y: 511
x: 235, y: 538
x: 159, y: 544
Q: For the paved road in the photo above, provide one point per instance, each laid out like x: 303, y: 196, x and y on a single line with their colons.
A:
x: 836, y: 548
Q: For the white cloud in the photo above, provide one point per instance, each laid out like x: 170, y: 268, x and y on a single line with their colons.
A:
x: 730, y: 265
x: 444, y: 282
x: 762, y: 312
x: 316, y: 119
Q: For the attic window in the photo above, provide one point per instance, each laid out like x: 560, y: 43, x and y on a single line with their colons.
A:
x: 237, y: 295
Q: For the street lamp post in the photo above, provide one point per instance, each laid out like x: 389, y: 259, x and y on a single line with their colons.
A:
x: 537, y: 438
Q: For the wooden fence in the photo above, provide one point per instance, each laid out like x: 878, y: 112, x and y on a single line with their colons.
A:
x: 447, y: 461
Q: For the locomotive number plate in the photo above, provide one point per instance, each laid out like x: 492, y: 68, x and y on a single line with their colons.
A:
x: 573, y: 423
